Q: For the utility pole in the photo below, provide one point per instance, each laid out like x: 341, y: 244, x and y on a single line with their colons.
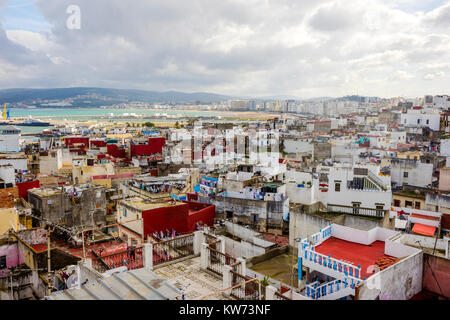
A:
x: 49, y: 270
x: 84, y: 249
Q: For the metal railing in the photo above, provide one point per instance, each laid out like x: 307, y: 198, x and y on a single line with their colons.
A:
x: 377, y: 180
x: 217, y: 260
x: 131, y: 258
x: 358, y: 211
x: 249, y: 290
x: 319, y: 292
x: 347, y: 270
x: 173, y: 249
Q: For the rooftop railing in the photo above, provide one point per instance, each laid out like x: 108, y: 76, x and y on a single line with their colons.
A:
x: 358, y: 211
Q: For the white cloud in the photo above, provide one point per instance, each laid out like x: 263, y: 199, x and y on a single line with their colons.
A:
x: 254, y: 47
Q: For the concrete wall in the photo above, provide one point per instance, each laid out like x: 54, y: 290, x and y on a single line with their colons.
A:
x: 444, y: 179
x: 13, y: 257
x: 9, y: 142
x: 51, y: 163
x: 242, y: 249
x: 305, y: 225
x: 240, y: 231
x: 7, y: 174
x: 440, y: 268
x: 9, y: 219
x: 365, y: 237
x: 419, y: 174
x: 400, y: 281
x: 298, y: 146
x: 17, y: 163
x: 89, y: 208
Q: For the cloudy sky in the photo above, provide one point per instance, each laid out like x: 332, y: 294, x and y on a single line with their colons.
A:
x: 303, y: 48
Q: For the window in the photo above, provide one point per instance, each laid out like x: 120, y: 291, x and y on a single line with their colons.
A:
x: 356, y: 208
x: 408, y: 204
x: 428, y: 121
x: 379, y: 210
x: 337, y: 187
x: 397, y: 203
x: 124, y: 212
x: 2, y: 262
x: 405, y: 174
x: 418, y: 121
x: 417, y: 205
x: 254, y: 218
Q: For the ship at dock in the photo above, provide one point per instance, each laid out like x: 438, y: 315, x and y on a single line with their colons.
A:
x: 31, y: 122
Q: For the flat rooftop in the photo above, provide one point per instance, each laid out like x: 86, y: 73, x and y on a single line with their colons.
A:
x: 46, y: 192
x: 77, y: 251
x: 354, y: 253
x: 194, y: 282
x: 143, y: 205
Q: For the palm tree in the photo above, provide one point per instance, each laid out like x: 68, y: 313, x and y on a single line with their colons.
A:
x: 264, y: 282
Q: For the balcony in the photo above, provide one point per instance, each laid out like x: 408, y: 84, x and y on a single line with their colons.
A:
x: 357, y: 211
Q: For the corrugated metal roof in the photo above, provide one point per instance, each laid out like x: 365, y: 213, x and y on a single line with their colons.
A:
x: 140, y: 284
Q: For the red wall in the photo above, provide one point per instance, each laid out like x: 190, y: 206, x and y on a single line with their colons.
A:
x: 165, y: 218
x: 192, y: 197
x: 98, y: 143
x: 153, y: 146
x: 205, y: 215
x: 113, y: 150
x: 70, y: 141
x: 182, y: 218
x: 23, y: 188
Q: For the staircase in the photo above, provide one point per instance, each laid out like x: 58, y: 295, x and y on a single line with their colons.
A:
x: 332, y: 290
x: 347, y: 276
x: 376, y: 181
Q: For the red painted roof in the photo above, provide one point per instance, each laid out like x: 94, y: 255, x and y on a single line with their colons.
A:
x: 355, y: 253
x: 423, y: 229
x: 422, y: 216
x: 40, y: 247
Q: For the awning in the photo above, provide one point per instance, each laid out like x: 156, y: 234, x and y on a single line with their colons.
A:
x: 423, y: 229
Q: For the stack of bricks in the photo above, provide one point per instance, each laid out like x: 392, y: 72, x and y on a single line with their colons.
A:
x: 8, y: 197
x: 385, y: 262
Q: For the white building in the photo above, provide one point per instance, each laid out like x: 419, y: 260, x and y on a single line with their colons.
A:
x: 19, y: 163
x: 358, y: 190
x: 442, y: 102
x: 9, y: 139
x: 421, y: 118
x: 50, y: 161
x: 7, y: 176
x: 340, y: 262
x: 411, y: 172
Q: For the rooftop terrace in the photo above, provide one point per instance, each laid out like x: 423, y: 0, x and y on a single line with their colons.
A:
x: 354, y: 253
x: 194, y: 282
x: 143, y: 205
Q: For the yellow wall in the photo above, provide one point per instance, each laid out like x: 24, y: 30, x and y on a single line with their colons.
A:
x: 411, y: 154
x: 102, y: 182
x: 403, y: 199
x: 8, y: 216
x: 120, y: 170
x: 89, y: 171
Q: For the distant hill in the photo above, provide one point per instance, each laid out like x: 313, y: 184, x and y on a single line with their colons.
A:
x: 114, y: 95
x: 92, y: 96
